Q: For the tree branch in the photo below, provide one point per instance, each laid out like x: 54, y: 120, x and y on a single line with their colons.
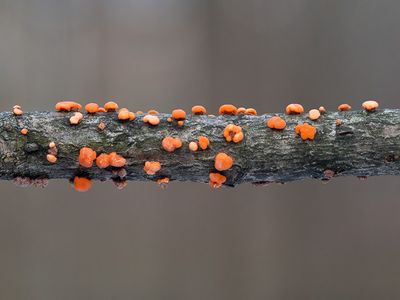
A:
x: 365, y: 144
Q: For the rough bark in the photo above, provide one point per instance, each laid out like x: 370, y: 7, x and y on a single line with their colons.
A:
x: 366, y: 144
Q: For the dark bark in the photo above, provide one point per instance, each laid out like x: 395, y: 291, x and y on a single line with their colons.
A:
x: 366, y: 144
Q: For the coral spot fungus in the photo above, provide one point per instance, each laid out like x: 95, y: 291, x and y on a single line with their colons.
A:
x: 240, y: 110
x: 67, y: 106
x: 17, y: 110
x: 124, y: 114
x: 250, y: 111
x: 24, y: 131
x: 314, y: 114
x: 216, y: 180
x: 277, y: 123
x: 151, y: 167
x: 181, y: 123
x: 103, y: 161
x: 178, y: 114
x: 322, y: 109
x: 233, y: 133
x: 153, y: 112
x: 82, y: 184
x: 227, y: 109
x: 370, y: 105
x: 306, y: 131
x: 86, y: 157
x: 294, y: 108
x: 111, y: 106
x: 52, y: 145
x: 151, y: 119
x: 344, y: 107
x: 76, y: 118
x: 101, y: 110
x: 223, y: 161
x: 92, y: 108
x: 193, y: 146
x: 203, y: 142
x: 198, y: 110
x: 170, y: 144
x: 117, y: 160
x: 163, y: 182
x: 51, y: 158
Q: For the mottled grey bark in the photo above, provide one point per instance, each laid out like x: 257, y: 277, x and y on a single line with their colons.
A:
x: 366, y: 144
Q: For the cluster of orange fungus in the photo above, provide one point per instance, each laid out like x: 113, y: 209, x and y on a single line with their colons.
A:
x: 314, y: 114
x: 17, y: 110
x: 170, y: 144
x: 151, y: 167
x: 233, y: 133
x: 67, y: 106
x: 227, y: 109
x: 216, y: 180
x: 92, y: 108
x: 151, y: 119
x: 198, y: 110
x: 370, y: 105
x: 111, y: 106
x: 24, y: 131
x: 203, y: 142
x: 76, y: 118
x: 277, y: 123
x: 82, y: 184
x: 124, y: 114
x: 86, y: 157
x: 306, y: 131
x: 223, y: 161
x: 178, y: 114
x: 344, y: 107
x: 294, y: 109
x: 117, y: 160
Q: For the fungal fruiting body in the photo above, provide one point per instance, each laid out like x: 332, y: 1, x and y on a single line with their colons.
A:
x: 111, y: 106
x: 153, y: 112
x: 178, y: 114
x: 103, y: 161
x: 170, y: 144
x: 24, y: 131
x: 370, y: 105
x: 203, y: 142
x: 52, y: 145
x: 17, y: 110
x: 216, y: 180
x: 314, y: 114
x: 227, y: 109
x: 294, y: 108
x: 344, y: 107
x: 322, y: 109
x: 76, y: 118
x: 240, y: 110
x: 223, y: 161
x: 92, y: 108
x: 163, y: 182
x: 101, y: 110
x: 117, y: 160
x: 51, y: 158
x: 151, y: 167
x: 67, y: 106
x: 306, y: 131
x: 101, y: 126
x: 277, y: 123
x: 86, y: 157
x: 124, y: 114
x: 82, y: 184
x: 198, y: 110
x: 151, y: 119
x: 250, y: 111
x: 233, y: 133
x: 193, y: 146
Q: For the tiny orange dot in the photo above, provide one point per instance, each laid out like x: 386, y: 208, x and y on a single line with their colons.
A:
x: 24, y: 131
x: 101, y: 126
x: 153, y: 112
x: 51, y: 158
x: 181, y: 123
x: 178, y: 114
x: 203, y: 142
x: 314, y: 114
x: 110, y: 106
x: 193, y: 146
x: 343, y: 107
x: 322, y: 109
x: 251, y: 111
x: 240, y: 110
x: 82, y: 184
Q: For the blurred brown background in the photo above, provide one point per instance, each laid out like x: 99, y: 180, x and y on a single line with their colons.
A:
x: 303, y: 240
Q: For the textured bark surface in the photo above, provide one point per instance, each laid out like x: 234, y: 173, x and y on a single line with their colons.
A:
x: 366, y: 144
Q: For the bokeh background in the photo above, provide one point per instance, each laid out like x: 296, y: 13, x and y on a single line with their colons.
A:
x: 303, y: 240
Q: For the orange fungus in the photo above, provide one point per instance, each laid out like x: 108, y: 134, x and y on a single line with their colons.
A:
x: 82, y: 184
x: 223, y: 161
x: 170, y: 143
x: 67, y: 106
x: 110, y: 106
x: 306, y: 131
x: 314, y: 114
x: 370, y: 105
x: 227, y: 109
x: 117, y: 160
x: 276, y: 122
x: 103, y: 161
x: 233, y: 133
x: 178, y: 114
x: 203, y: 142
x: 86, y: 157
x: 151, y: 167
x: 198, y: 110
x: 294, y: 109
x: 216, y: 180
x: 343, y: 107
